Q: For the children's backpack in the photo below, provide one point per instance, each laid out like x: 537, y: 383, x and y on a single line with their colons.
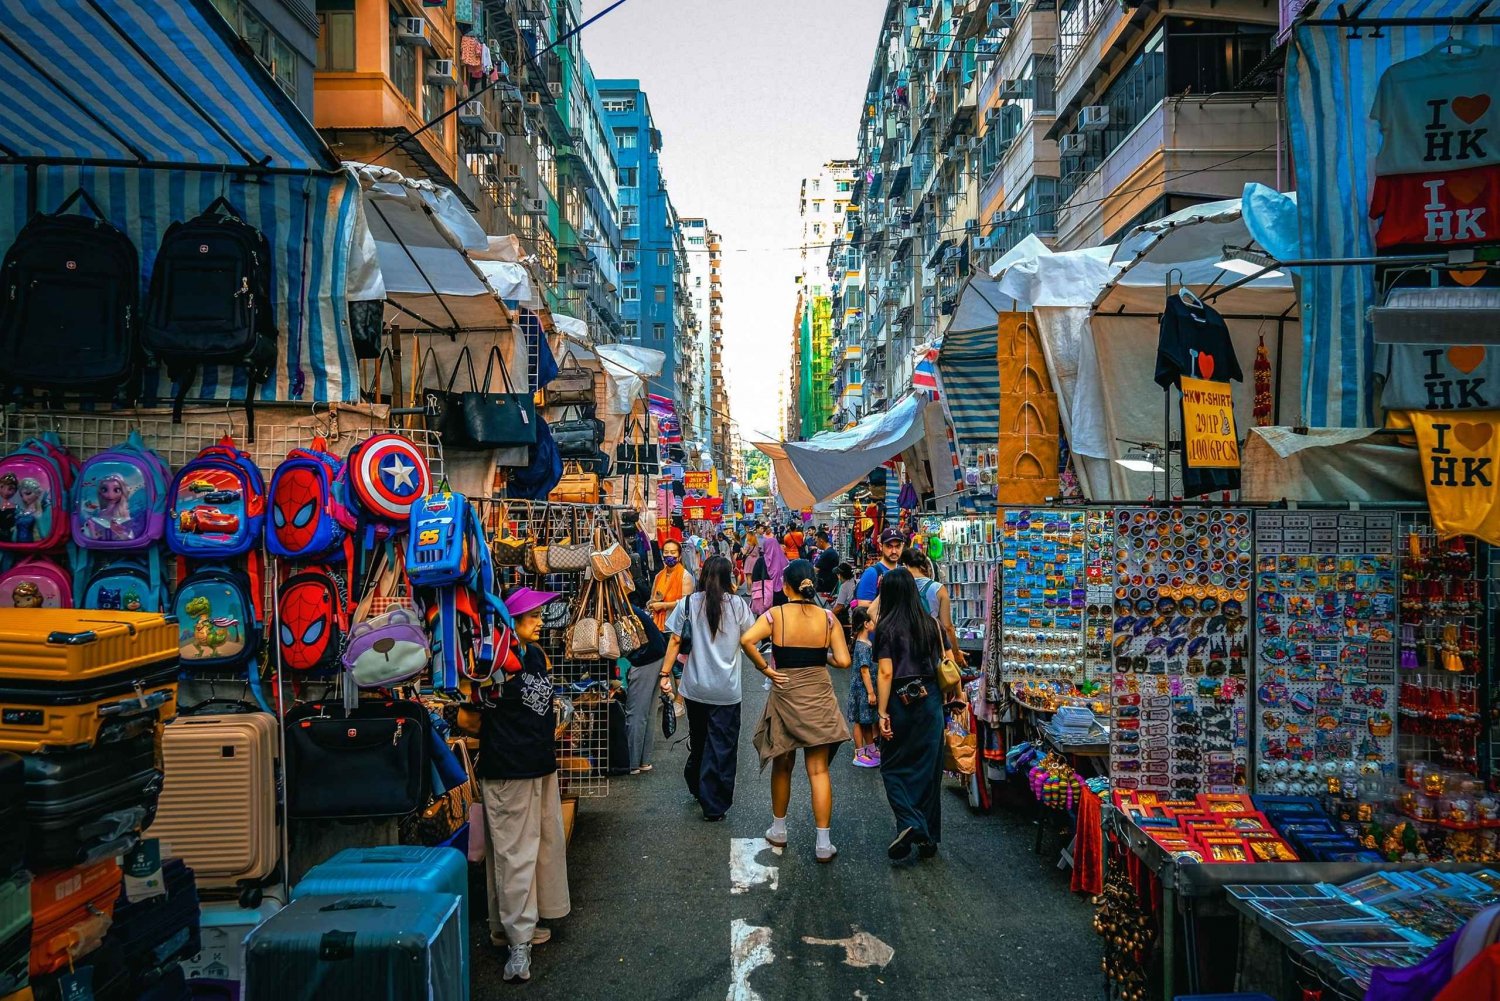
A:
x: 210, y: 301
x: 69, y: 291
x: 121, y: 497
x: 311, y: 619
x: 217, y: 619
x: 387, y: 649
x: 443, y: 542
x: 385, y: 476
x: 216, y: 504
x: 36, y: 582
x: 125, y: 586
x: 36, y: 491
x: 309, y: 519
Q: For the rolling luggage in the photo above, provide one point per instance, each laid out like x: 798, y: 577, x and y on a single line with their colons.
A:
x: 393, y: 869
x: 158, y: 931
x: 71, y: 910
x: 73, y: 678
x: 218, y: 800
x: 223, y: 928
x: 371, y: 762
x: 12, y: 815
x: 391, y: 945
x: 86, y: 805
x: 15, y: 932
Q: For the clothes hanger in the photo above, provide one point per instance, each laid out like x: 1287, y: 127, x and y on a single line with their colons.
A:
x: 1190, y: 297
x: 1456, y: 41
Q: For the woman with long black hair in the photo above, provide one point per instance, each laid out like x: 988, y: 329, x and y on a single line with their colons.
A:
x: 907, y: 649
x: 713, y: 618
x: 802, y: 710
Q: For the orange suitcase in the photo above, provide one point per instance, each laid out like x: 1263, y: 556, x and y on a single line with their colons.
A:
x: 71, y: 909
x: 217, y: 810
x: 70, y: 678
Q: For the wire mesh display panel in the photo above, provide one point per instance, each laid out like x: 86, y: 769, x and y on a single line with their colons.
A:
x: 586, y: 684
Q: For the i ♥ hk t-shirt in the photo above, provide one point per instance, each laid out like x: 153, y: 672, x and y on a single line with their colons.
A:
x: 1437, y: 208
x: 1194, y: 341
x: 1439, y: 111
x: 1459, y: 458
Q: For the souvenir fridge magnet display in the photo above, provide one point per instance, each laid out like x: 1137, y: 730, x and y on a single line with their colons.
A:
x: 1180, y: 634
x: 1099, y: 588
x: 1325, y: 603
x: 1042, y: 597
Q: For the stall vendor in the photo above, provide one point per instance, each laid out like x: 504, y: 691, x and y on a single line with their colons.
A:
x: 528, y: 863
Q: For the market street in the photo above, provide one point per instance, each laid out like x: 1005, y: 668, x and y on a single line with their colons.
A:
x: 653, y: 904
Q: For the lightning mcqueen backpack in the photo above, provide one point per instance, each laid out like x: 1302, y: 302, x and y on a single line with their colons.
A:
x: 216, y: 504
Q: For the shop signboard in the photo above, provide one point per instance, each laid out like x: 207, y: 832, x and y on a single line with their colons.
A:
x: 697, y: 480
x: 1208, y: 424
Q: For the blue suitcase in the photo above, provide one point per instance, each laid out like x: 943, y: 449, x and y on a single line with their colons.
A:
x: 358, y: 948
x: 394, y: 869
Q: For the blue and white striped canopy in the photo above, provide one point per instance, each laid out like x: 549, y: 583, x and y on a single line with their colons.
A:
x: 142, y: 83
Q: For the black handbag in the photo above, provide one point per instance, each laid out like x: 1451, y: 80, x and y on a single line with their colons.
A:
x: 485, y: 419
x: 668, y: 716
x: 371, y: 762
x: 578, y: 437
x: 572, y: 384
x: 636, y: 456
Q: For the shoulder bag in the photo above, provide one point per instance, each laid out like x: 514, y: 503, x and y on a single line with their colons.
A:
x: 610, y: 561
x: 576, y: 486
x: 569, y: 557
x: 573, y: 384
x: 498, y: 419
x: 578, y: 436
x: 583, y: 634
x: 510, y: 550
x: 629, y: 629
x: 536, y: 555
x: 435, y: 404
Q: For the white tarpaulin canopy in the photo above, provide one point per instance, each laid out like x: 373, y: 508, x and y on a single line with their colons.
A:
x: 812, y: 471
x: 627, y: 369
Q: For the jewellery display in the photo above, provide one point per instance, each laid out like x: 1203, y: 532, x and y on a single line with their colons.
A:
x: 1325, y: 609
x: 1180, y: 649
x: 1042, y: 596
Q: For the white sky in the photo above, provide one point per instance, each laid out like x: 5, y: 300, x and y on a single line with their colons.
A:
x: 750, y: 96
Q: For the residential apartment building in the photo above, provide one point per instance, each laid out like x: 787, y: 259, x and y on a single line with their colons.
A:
x: 284, y: 35
x: 823, y: 207
x: 699, y: 276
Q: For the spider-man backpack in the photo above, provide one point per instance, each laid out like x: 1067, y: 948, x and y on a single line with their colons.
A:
x: 216, y: 504
x: 309, y: 518
x: 311, y: 619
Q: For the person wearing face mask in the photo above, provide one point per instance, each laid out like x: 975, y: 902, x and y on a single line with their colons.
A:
x: 672, y: 585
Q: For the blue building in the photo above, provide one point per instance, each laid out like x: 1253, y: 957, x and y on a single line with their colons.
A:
x: 651, y: 284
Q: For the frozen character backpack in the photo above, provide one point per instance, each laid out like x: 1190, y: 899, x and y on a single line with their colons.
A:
x: 217, y: 504
x: 121, y: 499
x: 36, y: 490
x: 36, y: 582
x: 217, y: 619
x: 309, y: 518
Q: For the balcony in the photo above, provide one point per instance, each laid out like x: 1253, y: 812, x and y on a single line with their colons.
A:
x: 1189, y: 138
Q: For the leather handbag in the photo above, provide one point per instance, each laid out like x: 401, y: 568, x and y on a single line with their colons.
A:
x: 569, y: 557
x: 609, y: 561
x: 435, y: 404
x: 497, y: 419
x: 578, y: 437
x: 509, y: 550
x: 583, y: 634
x: 950, y: 678
x: 536, y: 554
x: 632, y: 633
x: 576, y: 486
x: 372, y: 762
x: 573, y: 384
x: 636, y: 456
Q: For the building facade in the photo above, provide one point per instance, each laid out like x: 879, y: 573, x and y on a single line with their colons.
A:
x: 286, y: 36
x: 822, y: 208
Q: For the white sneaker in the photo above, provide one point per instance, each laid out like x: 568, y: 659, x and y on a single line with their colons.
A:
x: 826, y: 854
x: 518, y: 967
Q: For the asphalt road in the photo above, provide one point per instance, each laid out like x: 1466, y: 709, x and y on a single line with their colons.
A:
x: 655, y: 915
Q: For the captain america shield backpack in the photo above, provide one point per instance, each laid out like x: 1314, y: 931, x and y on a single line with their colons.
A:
x: 386, y: 474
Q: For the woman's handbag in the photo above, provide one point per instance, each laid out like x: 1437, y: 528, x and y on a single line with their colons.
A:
x: 576, y: 486
x: 491, y: 419
x: 510, y: 550
x: 636, y: 456
x: 950, y: 678
x: 578, y: 437
x: 569, y: 557
x: 583, y: 634
x: 628, y: 628
x: 572, y: 385
x: 610, y: 561
x: 435, y: 404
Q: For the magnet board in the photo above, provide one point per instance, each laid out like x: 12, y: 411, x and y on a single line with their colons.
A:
x: 1042, y: 595
x: 1099, y: 585
x: 1326, y: 626
x: 1180, y: 650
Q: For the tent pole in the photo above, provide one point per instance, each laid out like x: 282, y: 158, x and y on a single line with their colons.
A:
x: 1276, y: 393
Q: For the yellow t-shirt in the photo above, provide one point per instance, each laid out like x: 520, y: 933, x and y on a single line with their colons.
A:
x: 1461, y: 469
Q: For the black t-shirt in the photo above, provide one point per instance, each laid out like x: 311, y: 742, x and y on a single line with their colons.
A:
x: 1194, y: 341
x: 905, y: 663
x: 516, y: 739
x: 827, y: 566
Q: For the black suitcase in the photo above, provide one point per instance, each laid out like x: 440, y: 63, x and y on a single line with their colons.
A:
x: 12, y: 813
x: 84, y: 805
x: 69, y: 291
x: 372, y: 762
x: 162, y: 930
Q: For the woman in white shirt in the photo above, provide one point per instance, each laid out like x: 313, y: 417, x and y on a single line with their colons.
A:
x: 710, y: 623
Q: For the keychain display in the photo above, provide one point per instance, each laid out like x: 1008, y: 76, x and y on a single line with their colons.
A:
x: 1042, y: 595
x: 1180, y: 650
x: 1325, y: 607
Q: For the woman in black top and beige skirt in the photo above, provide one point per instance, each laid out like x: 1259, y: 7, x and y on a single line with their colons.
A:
x: 802, y: 710
x: 907, y: 649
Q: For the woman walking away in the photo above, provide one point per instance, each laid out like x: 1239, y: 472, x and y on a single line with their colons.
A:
x: 907, y: 650
x: 802, y: 710
x: 862, y: 692
x: 710, y: 623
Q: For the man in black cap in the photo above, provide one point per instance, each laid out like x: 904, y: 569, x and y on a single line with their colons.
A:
x: 891, y: 544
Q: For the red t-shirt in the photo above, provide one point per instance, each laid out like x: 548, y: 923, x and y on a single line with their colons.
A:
x: 1441, y: 209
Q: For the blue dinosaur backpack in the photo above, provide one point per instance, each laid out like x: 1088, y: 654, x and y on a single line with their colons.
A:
x: 309, y: 517
x: 216, y: 504
x: 218, y: 619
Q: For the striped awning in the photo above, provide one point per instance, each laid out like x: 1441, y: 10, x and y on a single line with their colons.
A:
x: 969, y: 364
x: 142, y: 83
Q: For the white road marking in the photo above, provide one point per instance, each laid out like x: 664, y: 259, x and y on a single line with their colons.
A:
x: 749, y: 950
x: 744, y: 871
x: 860, y: 948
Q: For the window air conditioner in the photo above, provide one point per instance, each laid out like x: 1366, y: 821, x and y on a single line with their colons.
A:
x: 533, y: 98
x: 554, y: 87
x: 1072, y: 144
x: 492, y: 142
x: 440, y: 71
x: 1093, y: 118
x: 534, y: 206
x: 413, y: 31
x: 471, y: 114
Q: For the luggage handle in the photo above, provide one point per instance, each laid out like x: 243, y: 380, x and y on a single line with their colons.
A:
x: 150, y: 702
x: 357, y: 904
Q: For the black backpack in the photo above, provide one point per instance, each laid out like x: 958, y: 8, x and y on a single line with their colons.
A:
x: 210, y: 301
x: 71, y: 290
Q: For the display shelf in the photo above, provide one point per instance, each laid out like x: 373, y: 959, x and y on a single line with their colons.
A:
x: 970, y: 549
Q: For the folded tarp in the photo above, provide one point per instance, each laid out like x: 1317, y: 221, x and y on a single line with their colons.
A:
x: 808, y: 472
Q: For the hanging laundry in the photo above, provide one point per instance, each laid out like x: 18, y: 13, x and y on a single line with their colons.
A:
x: 471, y: 52
x: 1459, y: 467
x: 1194, y: 342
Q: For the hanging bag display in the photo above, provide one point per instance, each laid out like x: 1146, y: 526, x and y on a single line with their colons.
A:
x: 608, y: 561
x: 311, y: 619
x: 372, y: 762
x: 578, y: 436
x: 576, y: 486
x: 121, y: 500
x: 217, y: 504
x: 69, y: 303
x: 310, y: 519
x: 498, y: 419
x: 36, y: 495
x: 637, y: 455
x: 537, y: 553
x: 510, y: 550
x: 435, y: 403
x: 572, y: 385
x: 627, y: 624
x: 583, y: 634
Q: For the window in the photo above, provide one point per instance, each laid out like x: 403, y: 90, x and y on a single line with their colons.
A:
x: 626, y: 139
x: 272, y: 51
x: 434, y: 103
x: 403, y: 64
x: 336, y: 40
x: 632, y: 330
x: 663, y: 258
x: 845, y: 185
x: 659, y: 331
x: 631, y: 292
x: 630, y: 215
x: 661, y: 293
x: 619, y: 104
x: 627, y: 176
x: 1043, y: 72
x: 627, y: 255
